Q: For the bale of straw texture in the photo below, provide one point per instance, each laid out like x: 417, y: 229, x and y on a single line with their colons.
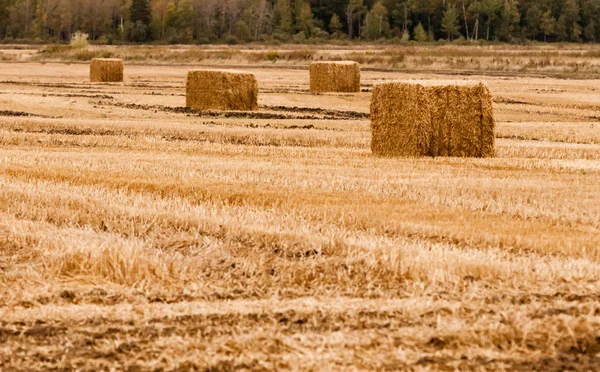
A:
x: 400, y: 120
x: 221, y: 90
x: 343, y: 77
x: 106, y: 70
x: 413, y: 120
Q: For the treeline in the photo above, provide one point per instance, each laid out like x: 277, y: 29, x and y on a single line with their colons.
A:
x: 234, y: 21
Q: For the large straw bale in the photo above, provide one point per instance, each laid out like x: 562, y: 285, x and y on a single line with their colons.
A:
x: 341, y: 77
x: 413, y: 120
x: 106, y: 70
x: 221, y: 90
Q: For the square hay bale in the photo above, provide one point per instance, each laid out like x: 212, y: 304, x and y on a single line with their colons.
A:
x: 106, y: 70
x: 221, y: 90
x: 400, y: 120
x: 342, y: 77
x: 414, y: 120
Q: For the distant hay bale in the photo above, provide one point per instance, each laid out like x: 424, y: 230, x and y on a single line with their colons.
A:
x: 342, y: 77
x: 106, y: 70
x: 414, y: 120
x: 221, y: 90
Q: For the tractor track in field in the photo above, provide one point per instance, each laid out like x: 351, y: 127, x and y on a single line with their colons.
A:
x: 338, y: 113
x: 281, y: 112
x: 66, y: 95
x: 20, y: 114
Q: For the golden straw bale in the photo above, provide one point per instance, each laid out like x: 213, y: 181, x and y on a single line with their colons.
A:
x: 413, y: 120
x: 400, y: 120
x: 341, y: 77
x: 221, y: 90
x: 106, y: 70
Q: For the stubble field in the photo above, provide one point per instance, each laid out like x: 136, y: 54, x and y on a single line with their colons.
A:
x: 138, y: 234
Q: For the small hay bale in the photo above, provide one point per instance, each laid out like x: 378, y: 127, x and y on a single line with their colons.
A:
x: 413, y: 120
x: 221, y: 90
x: 106, y: 70
x: 342, y: 77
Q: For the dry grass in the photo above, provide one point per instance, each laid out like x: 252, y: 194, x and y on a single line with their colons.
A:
x: 553, y: 60
x: 152, y: 237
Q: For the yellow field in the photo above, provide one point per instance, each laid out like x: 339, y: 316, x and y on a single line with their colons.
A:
x: 137, y: 234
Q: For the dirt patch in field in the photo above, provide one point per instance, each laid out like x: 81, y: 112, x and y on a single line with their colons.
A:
x: 96, y: 96
x: 319, y: 114
x: 20, y: 114
x: 319, y: 111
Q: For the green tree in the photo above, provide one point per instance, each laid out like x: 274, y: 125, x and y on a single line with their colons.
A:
x: 590, y: 31
x: 39, y: 24
x: 185, y: 15
x: 171, y: 20
x: 450, y: 22
x: 547, y: 24
x: 420, y: 33
x: 509, y: 20
x: 304, y: 18
x: 533, y: 19
x: 335, y: 26
x: 139, y: 32
x: 560, y: 28
x: 570, y: 18
x: 376, y: 22
x: 139, y: 11
x: 489, y: 10
x: 353, y: 10
x: 242, y: 31
x: 282, y: 17
x: 140, y: 17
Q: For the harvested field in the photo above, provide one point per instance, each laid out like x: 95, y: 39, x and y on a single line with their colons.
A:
x: 138, y: 234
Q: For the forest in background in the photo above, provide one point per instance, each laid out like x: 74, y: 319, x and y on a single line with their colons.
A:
x: 299, y: 21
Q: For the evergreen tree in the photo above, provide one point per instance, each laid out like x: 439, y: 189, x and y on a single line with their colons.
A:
x: 509, y: 20
x: 283, y: 17
x: 140, y: 17
x: 547, y: 25
x: 140, y: 12
x: 39, y: 24
x: 450, y: 22
x: 571, y: 17
x: 376, y: 23
x: 304, y: 18
x: 420, y: 34
x: 590, y: 31
x: 335, y: 26
x: 533, y: 20
x: 560, y: 28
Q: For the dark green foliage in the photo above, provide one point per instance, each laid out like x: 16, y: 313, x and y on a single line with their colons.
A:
x: 140, y: 12
x: 231, y: 21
